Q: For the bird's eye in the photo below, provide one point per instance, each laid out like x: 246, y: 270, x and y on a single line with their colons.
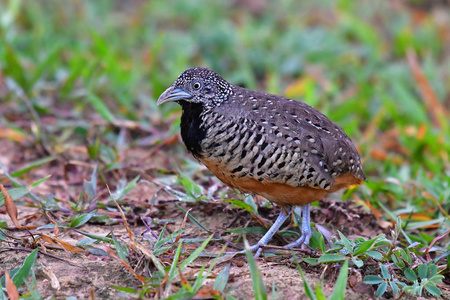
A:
x: 196, y: 85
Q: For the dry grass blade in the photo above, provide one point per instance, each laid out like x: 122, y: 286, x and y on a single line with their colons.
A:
x: 54, y: 282
x: 10, y: 206
x: 183, y: 225
x: 124, y: 219
x: 108, y: 250
x: 131, y: 236
x: 11, y: 288
x: 427, y: 252
x: 434, y: 107
x: 150, y: 255
x: 183, y: 280
x: 59, y: 242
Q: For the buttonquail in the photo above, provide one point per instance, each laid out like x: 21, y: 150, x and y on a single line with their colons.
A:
x: 279, y: 148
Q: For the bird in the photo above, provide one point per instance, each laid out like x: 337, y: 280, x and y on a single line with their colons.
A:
x: 279, y: 148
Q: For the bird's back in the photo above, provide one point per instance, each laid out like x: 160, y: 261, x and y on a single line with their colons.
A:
x: 277, y: 147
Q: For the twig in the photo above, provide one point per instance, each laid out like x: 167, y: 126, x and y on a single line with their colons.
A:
x: 4, y: 249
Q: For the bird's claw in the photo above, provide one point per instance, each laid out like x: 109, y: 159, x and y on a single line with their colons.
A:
x: 255, y: 248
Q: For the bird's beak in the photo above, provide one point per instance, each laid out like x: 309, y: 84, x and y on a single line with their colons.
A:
x: 172, y: 94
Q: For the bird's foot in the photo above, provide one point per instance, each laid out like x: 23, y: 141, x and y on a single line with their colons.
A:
x: 269, y: 234
x: 302, y: 241
x: 255, y: 248
x: 306, y: 230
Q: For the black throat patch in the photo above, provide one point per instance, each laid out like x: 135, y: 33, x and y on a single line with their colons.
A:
x: 191, y: 132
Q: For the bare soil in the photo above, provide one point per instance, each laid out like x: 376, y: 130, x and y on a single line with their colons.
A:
x: 61, y: 274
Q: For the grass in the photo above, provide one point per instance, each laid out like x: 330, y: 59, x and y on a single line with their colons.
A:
x: 78, y: 87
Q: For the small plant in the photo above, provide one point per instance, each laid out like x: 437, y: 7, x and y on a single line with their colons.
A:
x: 358, y: 250
x: 425, y: 277
x: 401, y: 258
x: 387, y: 279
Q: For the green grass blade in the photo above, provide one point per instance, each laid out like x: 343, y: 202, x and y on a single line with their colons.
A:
x: 319, y: 291
x: 82, y: 219
x: 95, y: 237
x: 32, y: 287
x: 193, y: 256
x: 222, y: 279
x: 346, y: 242
x: 241, y: 204
x: 258, y: 284
x: 121, y: 248
x: 308, y: 290
x: 15, y: 194
x: 101, y: 108
x: 24, y: 270
x: 33, y: 165
x: 364, y: 246
x: 199, y: 281
x: 173, y: 235
x: 193, y: 219
x: 341, y: 284
x: 160, y: 237
x: 13, y: 68
x: 38, y: 182
x: 172, y: 273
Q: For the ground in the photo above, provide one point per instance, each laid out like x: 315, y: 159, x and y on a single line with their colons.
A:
x: 80, y: 274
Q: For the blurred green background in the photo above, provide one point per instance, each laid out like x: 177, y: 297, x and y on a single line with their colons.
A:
x: 86, y: 74
x: 346, y: 58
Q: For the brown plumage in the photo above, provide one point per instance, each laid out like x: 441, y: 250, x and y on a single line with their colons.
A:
x: 279, y: 148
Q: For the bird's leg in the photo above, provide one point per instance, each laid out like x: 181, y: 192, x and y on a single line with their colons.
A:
x: 306, y: 229
x: 271, y: 232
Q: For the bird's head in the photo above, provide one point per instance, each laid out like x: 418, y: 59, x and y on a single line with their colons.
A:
x: 197, y: 85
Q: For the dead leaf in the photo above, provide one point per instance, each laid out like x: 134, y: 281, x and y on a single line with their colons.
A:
x: 54, y: 282
x: 164, y: 281
x: 415, y: 217
x: 184, y: 281
x: 11, y: 208
x: 11, y: 288
x: 59, y: 242
x: 13, y: 135
x: 379, y: 154
x: 206, y: 293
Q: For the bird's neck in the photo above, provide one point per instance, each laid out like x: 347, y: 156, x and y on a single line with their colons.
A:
x: 192, y: 132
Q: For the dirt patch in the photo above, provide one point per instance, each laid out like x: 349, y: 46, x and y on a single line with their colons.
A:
x: 88, y: 274
x: 83, y: 275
